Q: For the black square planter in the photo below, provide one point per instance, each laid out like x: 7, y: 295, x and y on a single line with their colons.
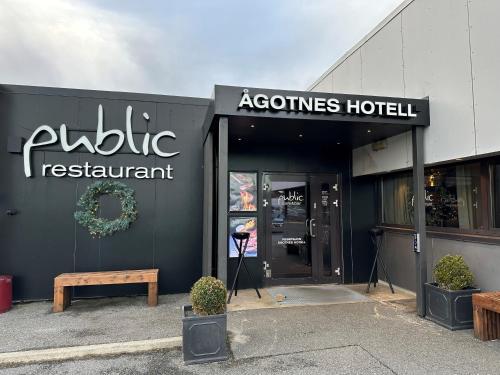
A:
x: 203, y: 337
x: 450, y: 308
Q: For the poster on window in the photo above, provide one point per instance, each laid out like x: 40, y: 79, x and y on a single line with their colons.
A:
x: 242, y: 191
x: 243, y: 224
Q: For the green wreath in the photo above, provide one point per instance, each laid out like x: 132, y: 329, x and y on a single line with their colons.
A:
x: 89, y: 202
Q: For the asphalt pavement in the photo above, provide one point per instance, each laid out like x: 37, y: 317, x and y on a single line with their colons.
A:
x: 355, y: 338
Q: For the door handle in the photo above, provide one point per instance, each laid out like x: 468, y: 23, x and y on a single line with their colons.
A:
x: 311, y: 226
x: 307, y: 226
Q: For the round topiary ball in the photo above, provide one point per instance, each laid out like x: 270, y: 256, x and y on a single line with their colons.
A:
x: 208, y: 296
x: 452, y: 273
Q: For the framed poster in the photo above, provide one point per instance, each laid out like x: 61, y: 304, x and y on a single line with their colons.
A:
x: 243, y: 224
x: 242, y: 191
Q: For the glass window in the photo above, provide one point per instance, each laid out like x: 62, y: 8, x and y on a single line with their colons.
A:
x: 453, y: 196
x: 495, y: 185
x: 397, y: 198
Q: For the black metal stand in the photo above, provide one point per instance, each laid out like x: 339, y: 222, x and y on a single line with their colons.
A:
x: 241, y: 247
x: 376, y: 236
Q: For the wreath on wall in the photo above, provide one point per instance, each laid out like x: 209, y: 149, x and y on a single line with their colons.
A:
x: 89, y: 203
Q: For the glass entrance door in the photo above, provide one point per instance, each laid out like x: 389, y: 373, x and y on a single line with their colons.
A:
x: 325, y: 229
x: 287, y: 235
x: 302, y: 228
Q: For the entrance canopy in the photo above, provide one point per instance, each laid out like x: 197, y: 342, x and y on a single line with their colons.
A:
x: 354, y: 120
x: 259, y: 116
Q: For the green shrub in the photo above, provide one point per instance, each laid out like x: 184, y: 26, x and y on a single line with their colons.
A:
x: 452, y: 273
x: 208, y: 296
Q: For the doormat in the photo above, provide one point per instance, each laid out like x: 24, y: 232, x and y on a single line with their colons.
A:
x: 315, y: 295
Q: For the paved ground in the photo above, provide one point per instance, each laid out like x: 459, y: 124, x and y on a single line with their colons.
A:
x: 362, y: 338
x: 96, y: 321
x: 344, y: 360
x: 100, y: 321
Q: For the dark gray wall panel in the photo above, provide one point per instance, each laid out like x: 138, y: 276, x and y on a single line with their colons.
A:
x: 363, y: 217
x: 399, y: 258
x: 179, y: 201
x: 483, y: 259
x: 43, y: 239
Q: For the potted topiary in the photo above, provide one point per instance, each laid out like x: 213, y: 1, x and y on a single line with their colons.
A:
x: 204, y: 325
x: 449, y: 299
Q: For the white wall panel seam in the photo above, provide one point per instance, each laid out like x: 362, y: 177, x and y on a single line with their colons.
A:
x: 402, y: 53
x: 472, y: 78
x: 401, y: 7
x: 361, y: 69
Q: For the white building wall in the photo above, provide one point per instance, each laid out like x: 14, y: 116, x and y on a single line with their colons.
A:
x: 326, y: 84
x: 484, y: 21
x: 382, y: 63
x: 347, y: 77
x: 448, y: 50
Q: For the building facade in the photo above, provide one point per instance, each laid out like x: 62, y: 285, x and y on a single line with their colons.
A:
x: 273, y: 163
x: 446, y: 51
x: 306, y: 173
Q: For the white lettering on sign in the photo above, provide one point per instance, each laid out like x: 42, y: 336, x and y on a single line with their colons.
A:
x: 291, y: 241
x: 292, y: 199
x: 325, y: 105
x: 100, y: 137
x: 100, y: 171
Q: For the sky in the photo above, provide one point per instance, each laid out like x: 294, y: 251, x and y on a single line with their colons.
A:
x: 179, y: 47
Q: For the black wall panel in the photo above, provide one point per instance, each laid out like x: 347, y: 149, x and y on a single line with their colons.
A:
x: 364, y: 218
x: 43, y: 239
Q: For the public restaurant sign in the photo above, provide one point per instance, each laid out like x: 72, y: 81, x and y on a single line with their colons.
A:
x: 99, y: 171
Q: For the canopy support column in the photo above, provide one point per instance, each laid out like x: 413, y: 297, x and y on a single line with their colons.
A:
x: 419, y: 215
x: 208, y: 204
x: 222, y: 199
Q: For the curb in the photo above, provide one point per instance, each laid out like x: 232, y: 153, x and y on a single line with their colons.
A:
x: 98, y: 350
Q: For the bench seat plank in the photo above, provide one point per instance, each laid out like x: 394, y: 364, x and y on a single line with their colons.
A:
x: 488, y: 300
x: 486, y: 309
x: 63, y: 282
x: 107, y: 278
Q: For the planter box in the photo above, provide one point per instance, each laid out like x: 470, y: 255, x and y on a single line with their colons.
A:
x: 450, y: 308
x: 203, y: 337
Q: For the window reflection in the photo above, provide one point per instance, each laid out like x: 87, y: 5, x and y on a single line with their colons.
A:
x: 291, y: 250
x: 452, y: 197
x: 495, y: 178
x: 397, y: 197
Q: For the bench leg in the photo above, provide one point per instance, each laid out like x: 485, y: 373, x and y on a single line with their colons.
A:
x: 480, y: 325
x: 497, y: 322
x: 67, y: 296
x: 59, y: 298
x: 62, y: 298
x: 152, y: 294
x: 493, y: 325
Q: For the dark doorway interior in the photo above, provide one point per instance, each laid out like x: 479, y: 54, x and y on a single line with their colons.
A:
x: 319, y: 163
x: 302, y: 229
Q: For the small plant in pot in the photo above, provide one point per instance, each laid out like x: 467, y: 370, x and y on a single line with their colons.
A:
x: 449, y: 299
x: 204, y: 325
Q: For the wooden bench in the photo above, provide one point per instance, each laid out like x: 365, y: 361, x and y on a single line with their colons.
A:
x: 486, y: 307
x: 63, y: 282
